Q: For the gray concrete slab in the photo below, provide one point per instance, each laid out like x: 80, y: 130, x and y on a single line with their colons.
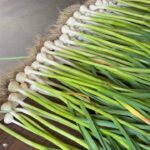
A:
x: 21, y: 21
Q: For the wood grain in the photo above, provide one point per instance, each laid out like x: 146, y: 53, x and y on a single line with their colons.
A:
x: 14, y: 144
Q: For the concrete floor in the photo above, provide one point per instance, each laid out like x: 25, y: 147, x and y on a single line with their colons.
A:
x: 21, y: 21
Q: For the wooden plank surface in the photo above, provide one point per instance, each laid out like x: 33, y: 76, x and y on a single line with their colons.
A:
x: 8, y: 142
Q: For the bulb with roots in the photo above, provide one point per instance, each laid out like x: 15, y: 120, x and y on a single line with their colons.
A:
x: 77, y: 15
x: 8, y: 118
x: 65, y: 39
x: 83, y: 9
x: 93, y: 7
x: 72, y: 22
x: 45, y: 58
x: 24, y: 86
x: 38, y: 79
x: 28, y: 70
x: 43, y: 49
x: 21, y: 77
x: 7, y: 107
x: 67, y: 30
x: 59, y: 44
x: 104, y: 2
x: 15, y: 97
x: 13, y: 86
x: 101, y: 5
x: 98, y: 2
x: 50, y: 45
x: 41, y: 57
x: 36, y: 65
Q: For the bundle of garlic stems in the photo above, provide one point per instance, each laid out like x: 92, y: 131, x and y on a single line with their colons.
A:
x: 95, y: 79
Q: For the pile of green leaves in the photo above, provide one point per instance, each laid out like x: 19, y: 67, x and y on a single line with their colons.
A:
x: 105, y: 93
